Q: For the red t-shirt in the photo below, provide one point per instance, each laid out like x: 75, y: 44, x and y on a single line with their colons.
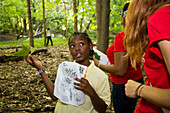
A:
x: 131, y: 73
x: 155, y: 68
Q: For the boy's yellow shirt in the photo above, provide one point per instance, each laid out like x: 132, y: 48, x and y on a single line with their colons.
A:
x: 99, y: 81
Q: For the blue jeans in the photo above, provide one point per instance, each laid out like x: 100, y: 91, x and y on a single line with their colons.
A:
x: 121, y: 103
x: 49, y: 38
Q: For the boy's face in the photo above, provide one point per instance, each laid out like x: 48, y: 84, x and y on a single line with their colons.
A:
x: 80, y: 49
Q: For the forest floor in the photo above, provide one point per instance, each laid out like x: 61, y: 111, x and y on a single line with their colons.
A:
x: 22, y: 89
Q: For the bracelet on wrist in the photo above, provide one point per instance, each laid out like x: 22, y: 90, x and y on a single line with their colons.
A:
x: 40, y: 71
x: 136, y: 92
x: 141, y: 89
x: 99, y: 65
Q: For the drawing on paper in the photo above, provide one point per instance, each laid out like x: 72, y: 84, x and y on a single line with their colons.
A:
x: 64, y: 85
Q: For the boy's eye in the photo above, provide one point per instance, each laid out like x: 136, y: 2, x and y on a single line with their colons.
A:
x: 71, y: 46
x: 81, y: 44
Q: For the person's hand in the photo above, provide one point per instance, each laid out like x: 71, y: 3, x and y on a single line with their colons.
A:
x: 84, y: 86
x: 96, y: 62
x: 34, y: 62
x: 130, y: 88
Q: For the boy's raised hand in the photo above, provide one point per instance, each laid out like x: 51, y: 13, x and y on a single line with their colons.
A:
x: 34, y: 62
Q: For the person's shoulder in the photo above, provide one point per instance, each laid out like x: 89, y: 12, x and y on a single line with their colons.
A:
x: 120, y: 34
x: 160, y: 17
x: 163, y: 9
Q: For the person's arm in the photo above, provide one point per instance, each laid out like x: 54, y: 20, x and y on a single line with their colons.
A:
x: 97, y: 102
x: 160, y: 97
x: 164, y: 46
x: 47, y: 82
x: 48, y: 85
x: 119, y: 67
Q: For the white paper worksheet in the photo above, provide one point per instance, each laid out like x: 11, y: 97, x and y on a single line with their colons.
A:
x: 103, y: 57
x: 64, y: 87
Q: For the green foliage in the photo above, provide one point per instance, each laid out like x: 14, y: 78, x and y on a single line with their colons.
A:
x: 23, y: 52
x: 17, y: 75
x: 116, y: 7
x: 32, y: 49
x: 57, y: 13
x: 1, y: 103
x: 11, y: 12
x: 25, y: 97
x: 96, y: 56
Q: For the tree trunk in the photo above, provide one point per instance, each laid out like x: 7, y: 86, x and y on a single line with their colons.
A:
x: 105, y: 26
x: 16, y: 26
x: 44, y: 23
x: 66, y: 33
x: 99, y: 20
x: 75, y: 18
x: 34, y: 10
x: 102, y: 14
x: 25, y: 25
x: 66, y: 28
x: 81, y: 24
x: 31, y: 39
x: 87, y: 28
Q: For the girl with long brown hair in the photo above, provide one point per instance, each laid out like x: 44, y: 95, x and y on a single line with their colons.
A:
x: 121, y: 71
x: 147, y: 37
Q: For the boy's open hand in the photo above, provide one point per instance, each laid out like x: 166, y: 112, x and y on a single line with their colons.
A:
x: 34, y: 62
x: 84, y: 86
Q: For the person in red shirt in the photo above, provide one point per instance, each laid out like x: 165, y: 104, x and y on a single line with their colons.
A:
x: 120, y: 72
x: 147, y: 37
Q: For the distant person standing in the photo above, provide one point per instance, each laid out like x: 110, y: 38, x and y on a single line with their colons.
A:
x: 49, y: 37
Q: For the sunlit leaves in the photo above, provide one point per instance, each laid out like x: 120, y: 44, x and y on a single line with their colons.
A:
x: 23, y: 52
x: 116, y: 8
x: 32, y: 49
x: 57, y: 13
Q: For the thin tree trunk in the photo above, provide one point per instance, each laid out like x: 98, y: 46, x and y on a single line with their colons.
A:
x: 75, y: 18
x: 31, y: 39
x: 21, y: 22
x: 66, y: 28
x: 81, y: 24
x: 44, y: 23
x: 16, y: 25
x: 87, y: 28
x: 105, y: 26
x: 102, y: 14
x: 99, y: 20
x: 25, y: 25
x: 66, y: 33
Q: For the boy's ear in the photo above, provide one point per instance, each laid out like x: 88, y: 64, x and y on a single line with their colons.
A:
x: 91, y: 46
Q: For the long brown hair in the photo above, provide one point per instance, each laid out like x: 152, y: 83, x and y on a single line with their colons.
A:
x: 136, y: 37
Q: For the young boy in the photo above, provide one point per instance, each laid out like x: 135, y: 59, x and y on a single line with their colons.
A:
x: 95, y: 85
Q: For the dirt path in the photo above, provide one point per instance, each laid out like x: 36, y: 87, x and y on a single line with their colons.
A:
x: 22, y: 89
